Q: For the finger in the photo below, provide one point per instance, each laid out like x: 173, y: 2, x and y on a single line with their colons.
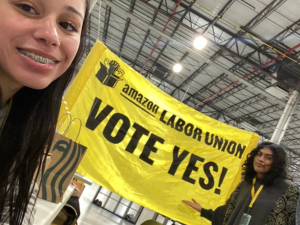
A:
x: 186, y: 202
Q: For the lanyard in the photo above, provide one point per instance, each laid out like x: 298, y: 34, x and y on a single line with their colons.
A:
x: 253, y: 194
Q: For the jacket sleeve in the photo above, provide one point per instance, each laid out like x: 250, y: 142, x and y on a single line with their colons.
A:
x: 217, y: 216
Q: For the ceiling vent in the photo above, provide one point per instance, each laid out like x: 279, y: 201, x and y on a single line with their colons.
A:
x: 288, y: 72
x: 251, y: 120
x: 160, y: 71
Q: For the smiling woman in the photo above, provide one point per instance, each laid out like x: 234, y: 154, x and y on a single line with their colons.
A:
x: 265, y: 196
x: 41, y: 45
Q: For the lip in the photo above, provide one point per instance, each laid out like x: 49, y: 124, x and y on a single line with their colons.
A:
x: 35, y: 66
x: 41, y: 53
x: 259, y: 165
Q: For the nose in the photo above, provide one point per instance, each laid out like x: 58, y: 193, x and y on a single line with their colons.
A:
x: 261, y: 158
x: 47, y: 32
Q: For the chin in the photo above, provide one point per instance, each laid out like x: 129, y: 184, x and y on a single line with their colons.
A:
x: 37, y: 84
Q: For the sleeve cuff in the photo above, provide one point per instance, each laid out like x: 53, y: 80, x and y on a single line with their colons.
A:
x: 206, y: 213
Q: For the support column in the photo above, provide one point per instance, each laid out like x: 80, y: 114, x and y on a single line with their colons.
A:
x: 92, y: 4
x: 285, y: 118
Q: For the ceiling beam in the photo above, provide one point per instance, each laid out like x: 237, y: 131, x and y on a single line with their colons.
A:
x: 140, y: 23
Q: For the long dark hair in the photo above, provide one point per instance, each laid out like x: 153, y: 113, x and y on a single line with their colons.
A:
x: 278, y: 169
x: 29, y: 128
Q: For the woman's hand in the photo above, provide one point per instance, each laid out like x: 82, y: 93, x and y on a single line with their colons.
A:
x: 194, y: 204
x: 78, y: 188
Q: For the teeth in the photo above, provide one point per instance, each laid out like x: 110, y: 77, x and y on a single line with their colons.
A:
x: 37, y: 58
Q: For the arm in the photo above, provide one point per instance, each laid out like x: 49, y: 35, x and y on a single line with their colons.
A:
x: 206, y: 213
x: 217, y: 216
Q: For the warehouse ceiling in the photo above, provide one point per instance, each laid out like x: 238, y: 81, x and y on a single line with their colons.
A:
x: 243, y: 77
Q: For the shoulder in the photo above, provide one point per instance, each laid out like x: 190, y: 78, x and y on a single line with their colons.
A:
x: 289, y: 184
x: 285, y: 204
x: 292, y: 188
x: 289, y: 188
x: 244, y: 184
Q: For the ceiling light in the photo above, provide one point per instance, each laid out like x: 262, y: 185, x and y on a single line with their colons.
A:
x: 177, y: 67
x: 200, y: 42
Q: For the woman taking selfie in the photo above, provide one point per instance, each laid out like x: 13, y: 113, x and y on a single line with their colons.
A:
x: 41, y: 45
x: 264, y: 197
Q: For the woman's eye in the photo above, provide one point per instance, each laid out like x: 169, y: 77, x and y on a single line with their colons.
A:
x: 27, y: 8
x: 67, y: 26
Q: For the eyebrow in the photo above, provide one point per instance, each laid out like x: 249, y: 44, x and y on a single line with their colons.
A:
x: 71, y: 9
x: 265, y: 153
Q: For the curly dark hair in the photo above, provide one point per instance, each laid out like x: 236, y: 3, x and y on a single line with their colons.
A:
x: 278, y: 169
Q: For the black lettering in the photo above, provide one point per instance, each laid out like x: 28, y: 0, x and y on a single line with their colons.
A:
x: 231, y: 147
x: 162, y: 116
x: 188, y: 129
x: 145, y: 101
x: 225, y: 145
x: 155, y: 109
x: 177, y: 159
x: 150, y: 105
x: 191, y: 167
x: 93, y: 121
x: 210, y: 184
x: 109, y: 128
x: 197, y: 134
x: 150, y: 147
x: 126, y: 88
x: 218, y: 141
x: 240, y: 150
x: 179, y: 124
x: 139, y: 132
x: 207, y: 135
x: 132, y: 93
x: 171, y: 121
x: 139, y: 98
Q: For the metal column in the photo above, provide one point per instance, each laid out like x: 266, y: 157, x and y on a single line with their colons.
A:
x: 92, y: 4
x: 285, y: 118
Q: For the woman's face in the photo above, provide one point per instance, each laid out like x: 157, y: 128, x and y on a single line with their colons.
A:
x: 38, y: 40
x: 263, y: 161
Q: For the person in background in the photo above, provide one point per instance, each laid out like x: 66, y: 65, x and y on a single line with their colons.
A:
x: 41, y: 45
x: 264, y: 197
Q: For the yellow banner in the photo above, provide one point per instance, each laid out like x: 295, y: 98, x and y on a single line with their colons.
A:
x: 148, y: 147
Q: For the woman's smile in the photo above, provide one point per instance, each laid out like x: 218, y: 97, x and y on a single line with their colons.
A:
x: 37, y: 58
x: 39, y: 40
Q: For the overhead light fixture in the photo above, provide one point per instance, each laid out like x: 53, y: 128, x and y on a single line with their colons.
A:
x: 177, y: 67
x: 200, y: 42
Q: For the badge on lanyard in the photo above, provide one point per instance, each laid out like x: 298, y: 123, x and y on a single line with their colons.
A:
x: 245, y: 219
